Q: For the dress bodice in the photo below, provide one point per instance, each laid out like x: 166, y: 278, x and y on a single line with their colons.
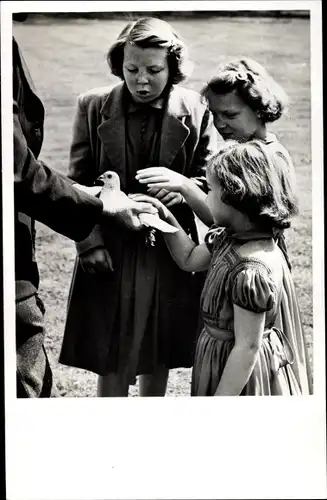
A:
x: 235, y: 279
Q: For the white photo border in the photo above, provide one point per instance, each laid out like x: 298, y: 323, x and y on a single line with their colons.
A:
x: 184, y: 447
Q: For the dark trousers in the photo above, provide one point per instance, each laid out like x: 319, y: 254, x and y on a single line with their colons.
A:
x: 34, y: 375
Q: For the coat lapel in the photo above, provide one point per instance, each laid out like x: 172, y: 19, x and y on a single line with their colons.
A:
x: 174, y: 132
x: 112, y: 131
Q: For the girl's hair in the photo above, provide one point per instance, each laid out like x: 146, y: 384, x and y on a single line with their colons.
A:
x: 150, y: 32
x: 254, y: 85
x: 256, y: 180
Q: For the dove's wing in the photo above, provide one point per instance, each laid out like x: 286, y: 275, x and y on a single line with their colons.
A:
x: 151, y: 220
x: 92, y: 190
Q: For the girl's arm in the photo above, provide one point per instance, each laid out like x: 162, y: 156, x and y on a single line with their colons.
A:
x: 166, y: 179
x: 188, y: 255
x: 249, y: 327
x: 196, y: 199
x: 192, y: 187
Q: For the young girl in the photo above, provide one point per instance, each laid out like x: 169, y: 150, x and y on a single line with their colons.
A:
x: 131, y: 310
x: 240, y: 350
x: 243, y: 99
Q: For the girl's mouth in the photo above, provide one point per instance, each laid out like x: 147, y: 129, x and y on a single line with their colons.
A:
x: 143, y: 93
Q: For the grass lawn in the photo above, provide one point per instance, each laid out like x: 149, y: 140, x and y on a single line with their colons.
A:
x: 68, y: 57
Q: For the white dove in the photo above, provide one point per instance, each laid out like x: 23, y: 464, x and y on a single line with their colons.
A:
x: 110, y: 181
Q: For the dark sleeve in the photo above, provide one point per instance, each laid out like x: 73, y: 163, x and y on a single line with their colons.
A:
x: 207, y: 146
x: 81, y: 159
x: 48, y: 196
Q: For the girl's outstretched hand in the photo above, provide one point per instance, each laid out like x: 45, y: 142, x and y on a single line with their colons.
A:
x: 162, y: 178
x: 163, y: 212
x: 168, y: 198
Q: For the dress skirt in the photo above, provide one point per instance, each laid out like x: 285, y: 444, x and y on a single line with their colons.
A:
x: 272, y: 374
x: 142, y: 315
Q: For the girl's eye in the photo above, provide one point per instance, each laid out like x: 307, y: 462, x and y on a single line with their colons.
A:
x: 231, y: 115
x: 154, y: 71
x: 131, y: 70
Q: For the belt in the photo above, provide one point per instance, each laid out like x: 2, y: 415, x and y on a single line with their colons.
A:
x: 277, y: 341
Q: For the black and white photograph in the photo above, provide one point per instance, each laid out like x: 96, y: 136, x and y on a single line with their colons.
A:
x: 163, y: 242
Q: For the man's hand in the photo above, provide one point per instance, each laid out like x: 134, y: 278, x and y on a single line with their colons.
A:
x: 96, y: 260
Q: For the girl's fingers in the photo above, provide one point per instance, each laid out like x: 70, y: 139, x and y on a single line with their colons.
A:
x: 133, y: 196
x: 152, y: 191
x: 140, y: 197
x: 167, y: 198
x: 172, y: 200
x: 146, y: 205
x: 145, y: 200
x: 158, y: 186
x: 152, y: 179
x: 161, y: 194
x: 151, y: 171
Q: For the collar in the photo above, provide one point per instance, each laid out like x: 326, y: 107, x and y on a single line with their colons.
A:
x: 115, y: 102
x: 269, y: 138
x: 242, y: 235
x: 133, y: 106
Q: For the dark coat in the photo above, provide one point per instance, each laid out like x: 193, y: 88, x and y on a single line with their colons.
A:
x: 39, y: 192
x: 44, y: 195
x: 93, y: 330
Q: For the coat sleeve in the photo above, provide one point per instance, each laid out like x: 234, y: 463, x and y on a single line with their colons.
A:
x: 80, y: 169
x: 49, y: 196
x: 206, y: 147
x: 81, y: 159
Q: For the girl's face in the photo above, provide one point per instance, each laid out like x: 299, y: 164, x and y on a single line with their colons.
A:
x: 222, y: 214
x: 233, y: 117
x: 145, y: 72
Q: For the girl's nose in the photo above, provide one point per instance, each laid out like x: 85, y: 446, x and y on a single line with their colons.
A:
x: 142, y: 78
x: 219, y: 122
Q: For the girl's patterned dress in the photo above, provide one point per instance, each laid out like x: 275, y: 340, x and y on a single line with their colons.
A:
x: 282, y: 366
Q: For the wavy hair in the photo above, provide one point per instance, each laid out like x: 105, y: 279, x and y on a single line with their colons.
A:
x: 150, y: 32
x: 254, y: 85
x: 257, y: 181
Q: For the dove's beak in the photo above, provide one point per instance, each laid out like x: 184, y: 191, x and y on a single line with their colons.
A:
x: 99, y: 182
x: 101, y: 179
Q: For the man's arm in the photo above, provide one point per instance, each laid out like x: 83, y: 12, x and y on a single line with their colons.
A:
x: 48, y: 196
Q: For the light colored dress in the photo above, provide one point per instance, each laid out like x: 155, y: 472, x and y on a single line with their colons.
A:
x: 282, y: 367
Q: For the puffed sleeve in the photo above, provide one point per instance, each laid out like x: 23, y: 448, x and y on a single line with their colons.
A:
x: 214, y: 236
x: 254, y: 289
